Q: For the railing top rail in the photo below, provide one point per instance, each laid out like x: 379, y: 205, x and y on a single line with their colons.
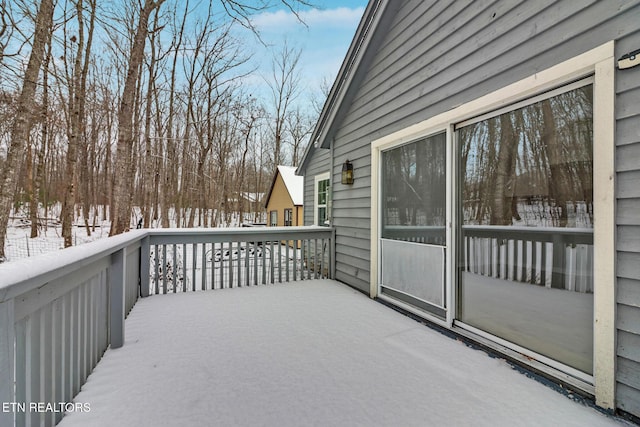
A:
x: 19, y: 277
x: 524, y: 229
x: 219, y: 235
x: 242, y: 231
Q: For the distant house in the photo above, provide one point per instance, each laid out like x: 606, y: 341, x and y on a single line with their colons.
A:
x: 284, y: 201
x: 496, y: 160
x: 252, y: 206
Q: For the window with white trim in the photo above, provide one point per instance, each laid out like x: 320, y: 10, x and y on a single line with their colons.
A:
x: 288, y: 217
x: 322, y: 199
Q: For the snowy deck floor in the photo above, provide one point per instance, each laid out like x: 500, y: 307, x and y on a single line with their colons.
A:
x: 305, y: 353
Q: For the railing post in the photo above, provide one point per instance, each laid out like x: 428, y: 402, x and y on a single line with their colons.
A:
x: 145, y: 264
x: 332, y: 254
x: 7, y: 362
x: 116, y: 304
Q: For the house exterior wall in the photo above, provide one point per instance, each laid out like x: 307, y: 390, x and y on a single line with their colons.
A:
x: 281, y: 200
x: 628, y: 227
x: 434, y: 56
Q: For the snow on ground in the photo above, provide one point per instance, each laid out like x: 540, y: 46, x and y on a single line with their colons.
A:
x: 306, y: 353
x: 19, y: 245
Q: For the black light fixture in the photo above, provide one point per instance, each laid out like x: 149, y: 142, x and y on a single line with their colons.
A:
x: 347, y: 173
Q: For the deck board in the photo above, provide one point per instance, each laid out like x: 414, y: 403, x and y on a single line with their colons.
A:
x: 307, y: 353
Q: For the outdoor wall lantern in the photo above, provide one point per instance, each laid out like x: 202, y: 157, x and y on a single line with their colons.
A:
x: 347, y: 173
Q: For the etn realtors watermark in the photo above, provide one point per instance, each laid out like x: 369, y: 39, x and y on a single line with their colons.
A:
x: 45, y: 407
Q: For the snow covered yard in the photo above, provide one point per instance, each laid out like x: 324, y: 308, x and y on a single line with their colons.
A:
x: 307, y: 353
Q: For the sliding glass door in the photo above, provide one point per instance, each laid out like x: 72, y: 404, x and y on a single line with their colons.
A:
x: 413, y: 234
x: 525, y: 217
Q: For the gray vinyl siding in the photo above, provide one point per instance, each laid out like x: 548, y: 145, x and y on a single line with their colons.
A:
x: 318, y: 165
x: 628, y: 224
x: 431, y: 56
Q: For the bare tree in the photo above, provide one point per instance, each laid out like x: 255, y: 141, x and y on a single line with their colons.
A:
x: 121, y: 215
x: 76, y: 124
x: 20, y: 129
x: 300, y: 126
x: 284, y: 85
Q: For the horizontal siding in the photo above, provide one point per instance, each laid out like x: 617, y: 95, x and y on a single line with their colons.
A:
x: 628, y: 237
x: 627, y: 346
x: 628, y: 232
x: 629, y: 292
x: 628, y: 265
x: 627, y: 131
x: 628, y: 184
x: 627, y: 157
x: 628, y: 212
x: 628, y: 319
x: 629, y: 373
x: 431, y: 56
x: 447, y: 81
x: 628, y: 109
x: 627, y: 398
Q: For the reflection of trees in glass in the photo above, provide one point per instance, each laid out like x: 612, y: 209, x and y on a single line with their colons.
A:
x: 414, y: 183
x: 532, y: 165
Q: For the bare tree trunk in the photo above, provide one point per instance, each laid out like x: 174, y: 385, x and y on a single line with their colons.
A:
x: 77, y: 138
x: 29, y: 182
x: 121, y: 217
x: 559, y: 180
x: 44, y: 119
x: 147, y: 190
x: 84, y: 144
x: 285, y: 87
x: 504, y: 188
x: 20, y: 129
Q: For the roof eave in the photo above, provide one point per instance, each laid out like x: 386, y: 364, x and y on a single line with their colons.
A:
x: 321, y: 136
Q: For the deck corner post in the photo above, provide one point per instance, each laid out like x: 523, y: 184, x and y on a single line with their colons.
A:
x: 117, y: 299
x: 145, y: 264
x: 7, y: 361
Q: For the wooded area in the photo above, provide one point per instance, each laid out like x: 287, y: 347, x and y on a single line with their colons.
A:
x: 107, y: 106
x: 531, y: 166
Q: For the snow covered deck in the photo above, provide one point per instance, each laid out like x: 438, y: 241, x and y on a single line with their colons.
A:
x: 314, y: 352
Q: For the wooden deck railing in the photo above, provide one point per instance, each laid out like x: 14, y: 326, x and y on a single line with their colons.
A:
x: 60, y: 312
x: 192, y: 260
x: 553, y: 257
